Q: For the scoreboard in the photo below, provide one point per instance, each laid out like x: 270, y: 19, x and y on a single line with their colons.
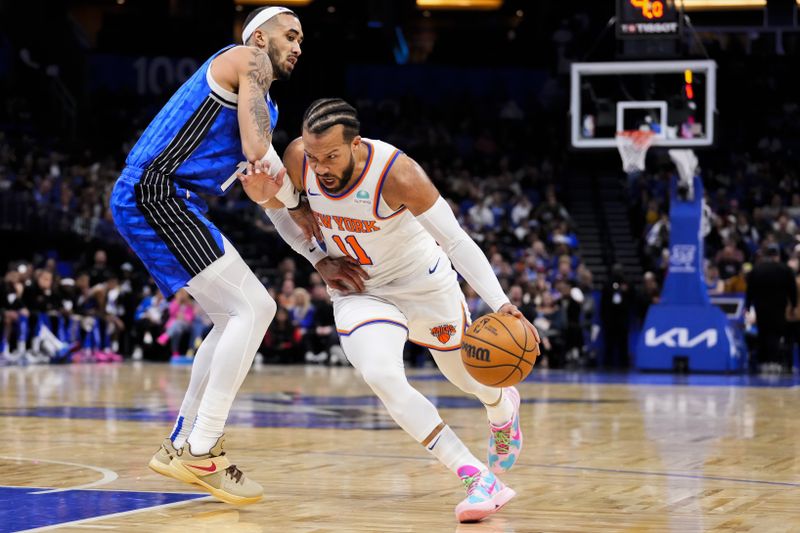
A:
x: 648, y: 19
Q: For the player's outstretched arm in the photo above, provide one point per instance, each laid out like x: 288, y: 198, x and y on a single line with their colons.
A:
x: 407, y: 184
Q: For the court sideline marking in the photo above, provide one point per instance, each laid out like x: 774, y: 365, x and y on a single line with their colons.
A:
x: 108, y: 475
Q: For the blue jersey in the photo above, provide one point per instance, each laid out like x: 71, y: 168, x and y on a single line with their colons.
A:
x: 194, y: 139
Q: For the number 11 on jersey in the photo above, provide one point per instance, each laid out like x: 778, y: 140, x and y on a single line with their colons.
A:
x: 361, y: 255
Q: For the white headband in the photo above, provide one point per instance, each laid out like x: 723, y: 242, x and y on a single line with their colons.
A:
x: 261, y: 18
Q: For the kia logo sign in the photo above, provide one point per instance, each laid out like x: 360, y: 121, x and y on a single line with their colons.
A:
x: 679, y: 338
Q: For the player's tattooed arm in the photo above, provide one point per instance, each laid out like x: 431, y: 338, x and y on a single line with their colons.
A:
x: 260, y: 78
x: 254, y: 120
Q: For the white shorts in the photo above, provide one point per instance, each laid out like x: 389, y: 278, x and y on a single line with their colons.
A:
x: 428, y: 305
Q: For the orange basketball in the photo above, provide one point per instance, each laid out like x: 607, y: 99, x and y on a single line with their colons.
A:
x: 499, y: 350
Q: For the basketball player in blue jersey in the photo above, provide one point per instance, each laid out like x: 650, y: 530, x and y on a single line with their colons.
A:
x: 377, y: 207
x: 192, y: 147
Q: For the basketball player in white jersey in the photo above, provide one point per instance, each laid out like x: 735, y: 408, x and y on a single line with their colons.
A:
x: 377, y: 207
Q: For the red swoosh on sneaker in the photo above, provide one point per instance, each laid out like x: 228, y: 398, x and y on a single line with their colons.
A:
x: 212, y: 468
x: 489, y: 491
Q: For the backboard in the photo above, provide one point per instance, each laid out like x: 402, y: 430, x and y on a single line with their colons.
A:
x: 674, y: 99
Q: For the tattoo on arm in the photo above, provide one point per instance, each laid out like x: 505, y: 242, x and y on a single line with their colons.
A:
x: 260, y: 78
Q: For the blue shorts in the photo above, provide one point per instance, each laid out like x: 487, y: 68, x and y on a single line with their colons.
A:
x: 166, y: 226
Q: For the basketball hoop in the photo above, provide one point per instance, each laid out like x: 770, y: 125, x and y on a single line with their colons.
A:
x: 632, y: 146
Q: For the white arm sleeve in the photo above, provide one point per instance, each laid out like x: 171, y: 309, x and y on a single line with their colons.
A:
x: 293, y: 235
x: 466, y: 256
x: 288, y: 195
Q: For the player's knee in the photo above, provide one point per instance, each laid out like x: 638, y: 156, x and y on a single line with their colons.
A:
x: 263, y: 305
x: 384, y: 380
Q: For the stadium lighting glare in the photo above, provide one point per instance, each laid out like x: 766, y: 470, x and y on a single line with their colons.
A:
x: 709, y: 5
x: 460, y: 4
x: 286, y: 3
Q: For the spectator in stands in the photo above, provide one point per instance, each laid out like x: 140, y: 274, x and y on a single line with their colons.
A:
x: 11, y: 305
x: 561, y: 234
x: 523, y: 302
x: 149, y: 322
x: 302, y: 311
x: 551, y: 210
x: 615, y: 311
x: 283, y: 342
x: 714, y: 284
x: 323, y: 339
x: 570, y: 299
x: 738, y: 283
x: 771, y: 287
x: 785, y: 231
x: 285, y: 298
x: 729, y: 260
x: 179, y: 321
x: 649, y: 294
x: 99, y: 271
x: 588, y: 309
x: 550, y: 323
x: 792, y: 327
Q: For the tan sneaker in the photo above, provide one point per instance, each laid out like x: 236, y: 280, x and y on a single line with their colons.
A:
x: 215, y: 473
x: 160, y: 461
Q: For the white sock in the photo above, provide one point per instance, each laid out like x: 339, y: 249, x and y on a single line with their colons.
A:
x: 500, y: 414
x: 451, y: 452
x: 181, y: 430
x: 210, y: 423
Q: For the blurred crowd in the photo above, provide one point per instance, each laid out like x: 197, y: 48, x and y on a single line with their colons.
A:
x: 503, y: 192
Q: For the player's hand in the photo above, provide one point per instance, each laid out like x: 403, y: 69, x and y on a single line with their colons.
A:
x: 259, y: 184
x: 342, y: 273
x: 304, y: 218
x: 511, y: 309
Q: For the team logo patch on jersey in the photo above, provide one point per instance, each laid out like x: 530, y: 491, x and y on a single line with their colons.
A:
x: 444, y: 332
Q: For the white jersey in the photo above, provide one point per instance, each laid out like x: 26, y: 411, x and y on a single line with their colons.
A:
x: 357, y: 222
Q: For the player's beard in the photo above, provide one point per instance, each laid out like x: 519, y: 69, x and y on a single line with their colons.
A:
x: 344, y: 180
x: 281, y: 73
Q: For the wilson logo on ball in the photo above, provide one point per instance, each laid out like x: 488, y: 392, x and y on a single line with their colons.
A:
x: 473, y: 352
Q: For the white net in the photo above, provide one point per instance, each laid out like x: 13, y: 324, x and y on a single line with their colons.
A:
x: 632, y: 146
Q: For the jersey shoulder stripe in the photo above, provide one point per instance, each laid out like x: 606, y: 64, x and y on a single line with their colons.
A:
x: 379, y: 187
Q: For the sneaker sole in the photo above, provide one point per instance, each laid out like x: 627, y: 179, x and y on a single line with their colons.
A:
x: 160, y: 468
x: 476, y: 515
x: 496, y: 468
x: 179, y: 472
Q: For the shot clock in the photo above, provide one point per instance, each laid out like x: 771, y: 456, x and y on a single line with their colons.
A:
x: 648, y: 19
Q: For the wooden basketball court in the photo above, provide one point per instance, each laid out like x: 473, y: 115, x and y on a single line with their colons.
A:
x: 602, y: 453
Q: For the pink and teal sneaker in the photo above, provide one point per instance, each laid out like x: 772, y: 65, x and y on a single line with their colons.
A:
x: 505, y: 442
x: 485, y: 494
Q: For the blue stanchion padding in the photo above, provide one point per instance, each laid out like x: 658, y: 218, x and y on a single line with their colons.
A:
x: 700, y: 334
x: 685, y: 323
